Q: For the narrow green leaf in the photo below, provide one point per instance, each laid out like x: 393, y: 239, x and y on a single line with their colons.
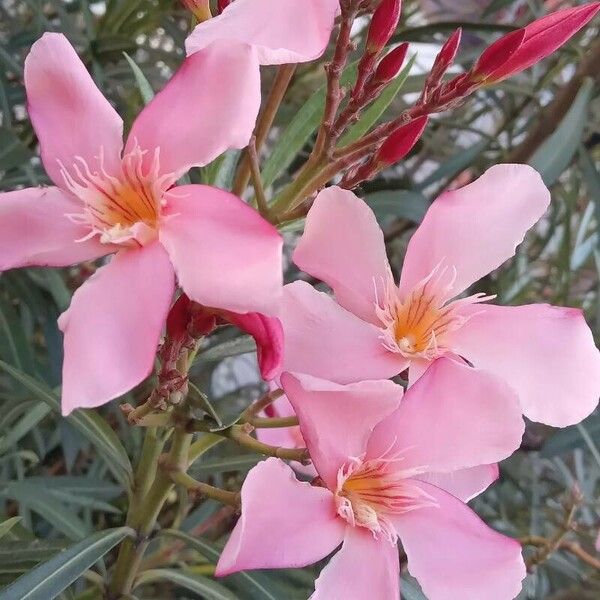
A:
x: 228, y: 463
x: 143, y: 84
x: 49, y: 579
x: 404, y: 204
x: 87, y: 486
x: 47, y: 506
x: 377, y: 108
x: 297, y: 133
x: 556, y: 153
x: 89, y: 423
x: 202, y: 401
x: 240, y: 345
x: 203, y: 586
x: 7, y: 525
x: 23, y: 555
x: 569, y: 438
x: 24, y: 425
x: 454, y: 165
x: 212, y: 553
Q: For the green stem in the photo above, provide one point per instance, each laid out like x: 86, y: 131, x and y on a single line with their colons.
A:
x: 144, y: 511
x: 204, y: 489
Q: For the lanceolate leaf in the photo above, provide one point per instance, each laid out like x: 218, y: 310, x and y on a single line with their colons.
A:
x: 297, y: 133
x: 88, y: 422
x: 206, y: 588
x: 556, y: 153
x: 47, y: 506
x: 49, y: 579
x: 7, y: 525
x: 254, y: 581
x: 372, y: 114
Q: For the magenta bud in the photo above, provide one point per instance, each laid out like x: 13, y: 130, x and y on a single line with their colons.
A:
x: 521, y: 49
x: 391, y: 64
x: 383, y: 24
x: 222, y: 5
x: 448, y: 52
x: 401, y: 141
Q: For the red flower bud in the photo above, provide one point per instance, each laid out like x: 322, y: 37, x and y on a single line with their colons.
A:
x: 391, y: 64
x: 179, y: 317
x: 447, y: 54
x: 523, y: 48
x: 401, y: 141
x: 383, y: 24
x: 222, y: 5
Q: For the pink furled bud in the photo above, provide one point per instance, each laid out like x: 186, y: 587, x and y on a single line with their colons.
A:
x: 523, y: 48
x: 401, y: 141
x: 383, y: 24
x: 200, y: 9
x: 391, y: 64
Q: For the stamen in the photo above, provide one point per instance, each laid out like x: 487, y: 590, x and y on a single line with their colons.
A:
x: 416, y: 326
x: 120, y: 208
x: 369, y: 493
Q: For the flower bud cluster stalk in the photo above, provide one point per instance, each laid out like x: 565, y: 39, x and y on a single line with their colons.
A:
x: 391, y: 141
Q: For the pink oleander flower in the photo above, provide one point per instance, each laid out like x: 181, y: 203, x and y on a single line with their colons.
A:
x: 285, y: 31
x: 122, y: 200
x: 375, y: 329
x: 386, y: 471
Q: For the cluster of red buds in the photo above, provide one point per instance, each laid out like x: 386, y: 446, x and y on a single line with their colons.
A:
x: 392, y: 141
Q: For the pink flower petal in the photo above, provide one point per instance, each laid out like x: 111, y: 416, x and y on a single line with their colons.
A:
x: 225, y: 254
x: 69, y: 113
x: 546, y: 353
x: 327, y: 341
x: 286, y: 31
x: 464, y: 484
x: 209, y: 106
x: 476, y: 228
x: 284, y: 522
x: 113, y: 327
x: 337, y: 420
x: 343, y: 246
x: 364, y: 568
x: 35, y: 231
x: 268, y: 335
x: 453, y: 418
x: 454, y: 554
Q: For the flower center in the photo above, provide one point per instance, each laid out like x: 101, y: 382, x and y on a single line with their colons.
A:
x: 416, y: 326
x: 120, y: 208
x: 370, y: 492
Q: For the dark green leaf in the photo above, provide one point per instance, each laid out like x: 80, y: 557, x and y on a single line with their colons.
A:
x: 556, y: 153
x: 204, y: 587
x: 89, y: 423
x: 49, y: 579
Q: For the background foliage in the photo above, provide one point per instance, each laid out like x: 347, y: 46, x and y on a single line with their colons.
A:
x: 64, y: 482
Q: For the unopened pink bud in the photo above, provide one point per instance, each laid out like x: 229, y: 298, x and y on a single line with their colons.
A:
x: 523, y: 48
x: 383, y: 24
x: 401, y: 141
x: 391, y: 64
